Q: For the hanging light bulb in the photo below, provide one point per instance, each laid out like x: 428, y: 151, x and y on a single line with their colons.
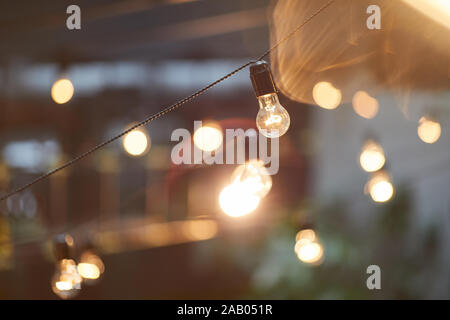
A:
x: 429, y: 131
x: 136, y: 142
x: 307, y: 247
x: 372, y: 156
x: 254, y: 175
x: 380, y: 187
x: 237, y: 200
x: 91, y: 266
x: 66, y: 282
x: 62, y: 91
x: 272, y: 120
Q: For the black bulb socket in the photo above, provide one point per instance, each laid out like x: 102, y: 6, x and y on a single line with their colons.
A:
x: 262, y: 78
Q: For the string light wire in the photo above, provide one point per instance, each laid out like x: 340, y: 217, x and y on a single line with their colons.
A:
x: 168, y: 109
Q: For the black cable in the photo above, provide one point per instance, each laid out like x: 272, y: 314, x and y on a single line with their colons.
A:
x: 164, y: 111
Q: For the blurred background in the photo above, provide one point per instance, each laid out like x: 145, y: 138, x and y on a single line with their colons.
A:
x: 364, y: 173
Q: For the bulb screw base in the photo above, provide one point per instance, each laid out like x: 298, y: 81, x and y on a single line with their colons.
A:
x: 262, y: 79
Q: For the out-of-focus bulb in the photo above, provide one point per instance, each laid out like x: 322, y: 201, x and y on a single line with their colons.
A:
x: 237, y: 200
x: 372, y: 156
x: 326, y: 95
x: 254, y: 176
x: 136, y: 142
x: 272, y: 119
x: 208, y: 138
x: 90, y: 267
x: 308, y: 248
x: 66, y: 282
x: 365, y: 105
x: 429, y: 131
x: 380, y: 187
x: 62, y: 91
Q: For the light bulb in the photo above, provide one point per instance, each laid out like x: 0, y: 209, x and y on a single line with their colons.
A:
x: 272, y: 119
x: 90, y: 267
x: 254, y: 176
x: 208, y: 138
x: 307, y: 247
x: 62, y: 91
x: 429, y: 131
x: 380, y: 187
x: 136, y: 142
x: 236, y: 200
x: 66, y: 282
x: 372, y: 156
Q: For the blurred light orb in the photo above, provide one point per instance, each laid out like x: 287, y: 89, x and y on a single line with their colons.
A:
x: 208, y: 138
x: 66, y: 282
x: 254, y: 175
x: 237, y: 200
x: 429, y: 131
x: 136, y: 142
x: 326, y: 95
x: 311, y: 252
x: 365, y: 105
x: 372, y: 157
x: 380, y: 187
x: 62, y: 91
x: 90, y: 267
x: 307, y: 234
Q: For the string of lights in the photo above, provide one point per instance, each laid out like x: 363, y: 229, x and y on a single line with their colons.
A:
x: 170, y: 108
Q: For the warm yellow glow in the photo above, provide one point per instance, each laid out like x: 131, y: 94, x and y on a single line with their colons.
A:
x: 309, y: 252
x: 236, y: 200
x: 429, y: 131
x: 62, y: 91
x: 208, y: 138
x: 365, y: 105
x: 327, y: 96
x: 136, y: 142
x: 66, y: 282
x: 88, y: 270
x: 438, y: 10
x: 380, y: 187
x: 372, y: 157
x: 197, y: 230
x: 254, y: 176
x: 63, y: 285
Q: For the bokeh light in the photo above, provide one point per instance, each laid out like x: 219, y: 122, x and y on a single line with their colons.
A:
x: 365, y: 105
x: 66, y: 282
x: 90, y: 266
x: 326, y: 95
x: 380, y: 187
x: 237, y: 200
x: 307, y: 247
x: 254, y: 176
x: 208, y: 138
x: 136, y: 142
x: 372, y: 156
x: 62, y: 91
x: 429, y: 131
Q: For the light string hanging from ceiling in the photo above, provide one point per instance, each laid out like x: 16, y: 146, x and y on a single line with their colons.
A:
x: 166, y: 110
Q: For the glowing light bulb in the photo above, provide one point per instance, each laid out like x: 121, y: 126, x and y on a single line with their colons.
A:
x: 326, y: 95
x: 380, y: 187
x: 208, y: 138
x: 90, y: 267
x: 66, y: 282
x: 254, y: 176
x: 236, y: 200
x: 136, y: 142
x: 372, y: 156
x: 272, y: 119
x: 429, y: 131
x: 365, y: 105
x: 308, y: 248
x: 62, y: 91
